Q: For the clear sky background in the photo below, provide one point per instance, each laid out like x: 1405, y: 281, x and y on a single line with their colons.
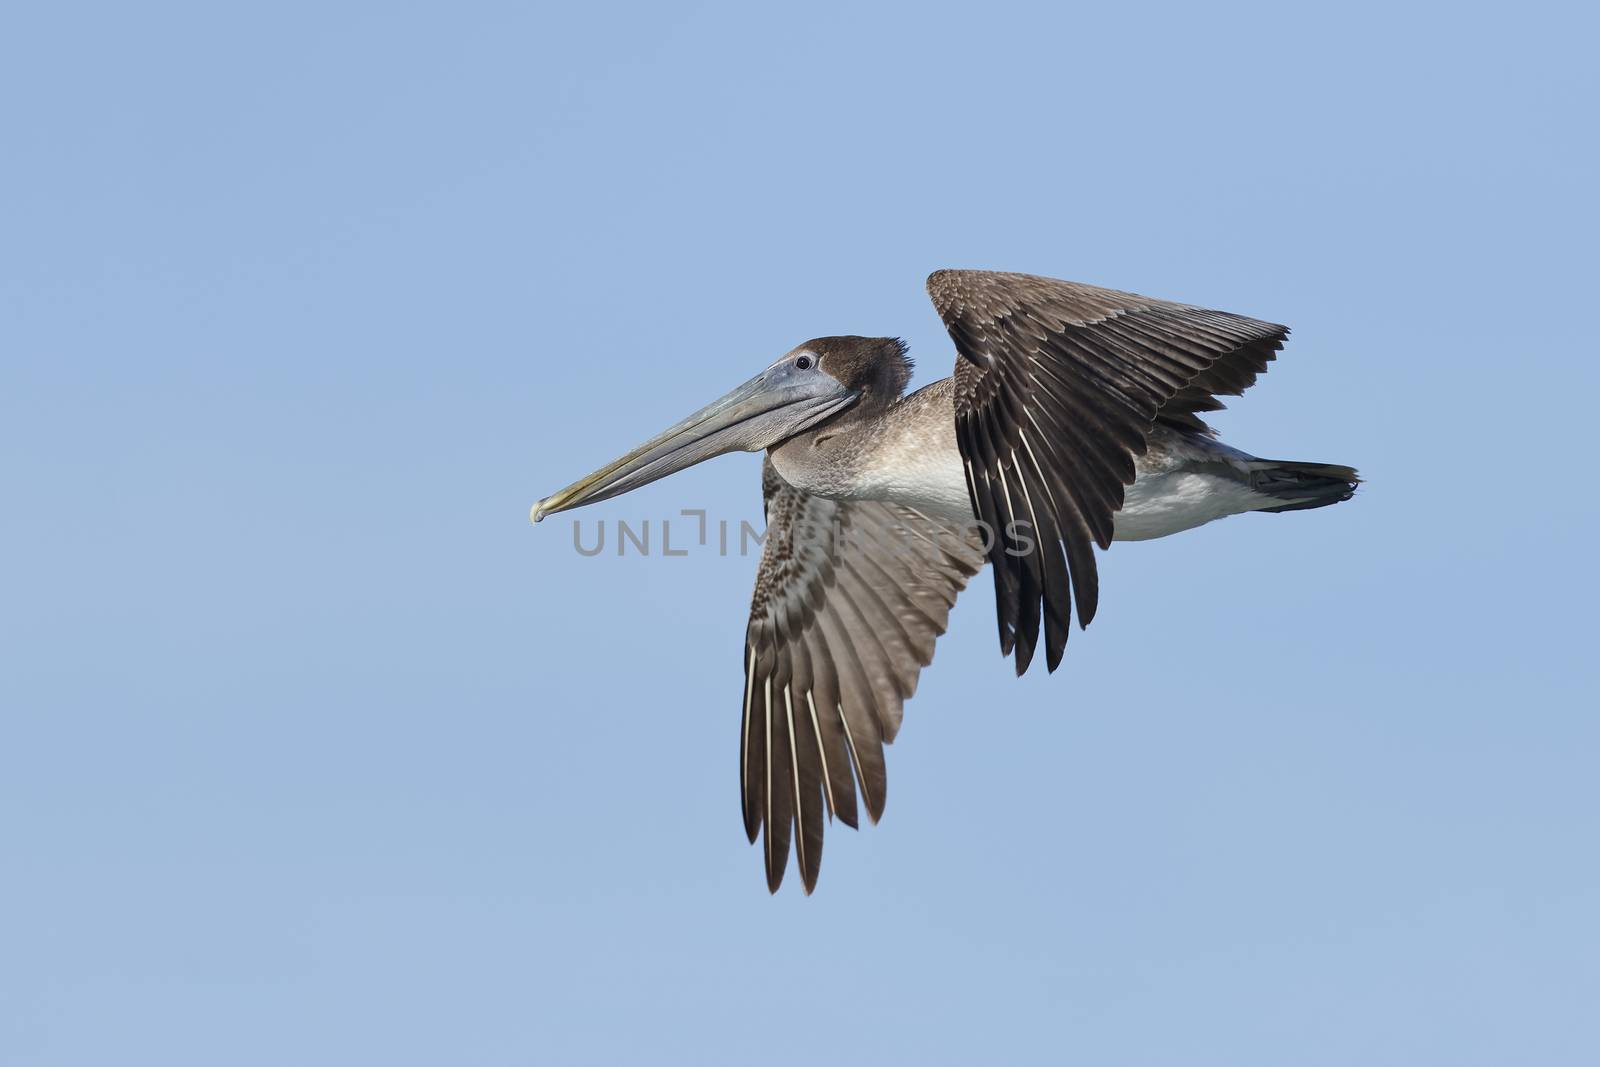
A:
x: 314, y: 751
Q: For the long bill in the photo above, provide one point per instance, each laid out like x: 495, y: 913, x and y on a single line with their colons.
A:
x: 767, y: 409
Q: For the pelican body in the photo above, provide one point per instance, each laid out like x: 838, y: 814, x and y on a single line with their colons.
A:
x: 1073, y: 420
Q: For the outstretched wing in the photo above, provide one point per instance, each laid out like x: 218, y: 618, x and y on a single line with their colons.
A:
x: 849, y: 600
x: 1057, y: 387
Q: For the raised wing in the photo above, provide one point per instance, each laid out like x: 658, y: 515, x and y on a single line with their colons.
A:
x: 849, y: 600
x: 1056, y: 390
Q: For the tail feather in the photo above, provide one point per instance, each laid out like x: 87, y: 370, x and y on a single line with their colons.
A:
x: 1302, y: 486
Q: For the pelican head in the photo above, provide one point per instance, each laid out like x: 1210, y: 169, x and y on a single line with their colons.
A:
x: 810, y: 385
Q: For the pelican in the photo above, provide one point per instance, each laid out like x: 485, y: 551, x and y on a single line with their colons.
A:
x: 1073, y: 419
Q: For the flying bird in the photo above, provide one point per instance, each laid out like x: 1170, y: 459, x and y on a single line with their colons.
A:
x: 1073, y: 419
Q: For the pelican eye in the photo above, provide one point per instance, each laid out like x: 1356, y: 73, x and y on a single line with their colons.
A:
x: 804, y: 363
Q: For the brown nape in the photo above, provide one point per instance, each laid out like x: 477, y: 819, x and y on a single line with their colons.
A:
x: 877, y: 366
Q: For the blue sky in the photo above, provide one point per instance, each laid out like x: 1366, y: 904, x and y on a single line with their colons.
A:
x: 312, y: 750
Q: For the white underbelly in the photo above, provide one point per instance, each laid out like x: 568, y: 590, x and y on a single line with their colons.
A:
x: 1174, y: 489
x: 1157, y: 505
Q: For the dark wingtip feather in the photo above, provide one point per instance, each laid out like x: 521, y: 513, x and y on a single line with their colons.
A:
x: 777, y: 862
x: 1053, y: 655
x: 877, y: 801
x: 1023, y: 657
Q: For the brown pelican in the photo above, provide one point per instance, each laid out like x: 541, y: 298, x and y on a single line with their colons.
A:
x: 1073, y: 420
